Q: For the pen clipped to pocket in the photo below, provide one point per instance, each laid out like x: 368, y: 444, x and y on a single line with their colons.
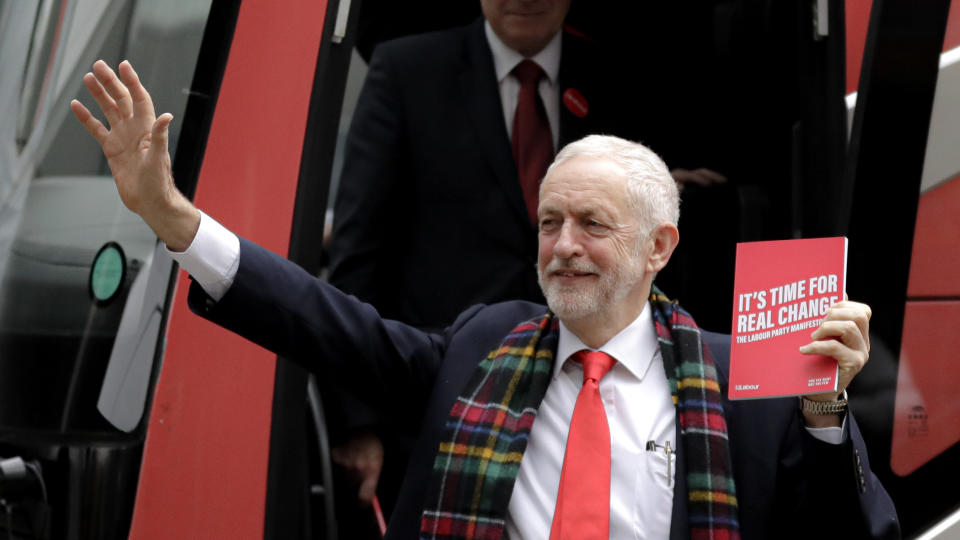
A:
x: 668, y: 452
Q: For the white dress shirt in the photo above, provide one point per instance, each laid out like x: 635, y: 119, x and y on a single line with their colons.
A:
x: 635, y: 396
x: 505, y: 59
x: 212, y: 258
x: 639, y: 408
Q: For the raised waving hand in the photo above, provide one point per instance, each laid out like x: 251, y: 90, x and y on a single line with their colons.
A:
x: 135, y: 146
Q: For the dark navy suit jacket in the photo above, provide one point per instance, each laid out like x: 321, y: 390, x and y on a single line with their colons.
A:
x: 788, y: 483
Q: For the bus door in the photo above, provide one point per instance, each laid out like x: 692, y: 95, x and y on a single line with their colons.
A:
x: 904, y: 260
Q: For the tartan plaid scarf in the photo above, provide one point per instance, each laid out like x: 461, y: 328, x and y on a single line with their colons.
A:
x: 692, y: 375
x: 489, y: 425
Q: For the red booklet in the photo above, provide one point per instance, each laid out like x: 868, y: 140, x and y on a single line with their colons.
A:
x: 781, y: 292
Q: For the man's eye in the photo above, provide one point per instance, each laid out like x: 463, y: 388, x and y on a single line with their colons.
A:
x: 547, y: 224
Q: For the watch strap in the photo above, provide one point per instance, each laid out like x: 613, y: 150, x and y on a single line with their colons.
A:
x: 822, y: 408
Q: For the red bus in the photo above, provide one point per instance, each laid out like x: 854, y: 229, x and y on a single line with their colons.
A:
x: 122, y: 415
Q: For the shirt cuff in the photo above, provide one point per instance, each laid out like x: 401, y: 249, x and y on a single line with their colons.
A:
x: 212, y: 258
x: 831, y: 435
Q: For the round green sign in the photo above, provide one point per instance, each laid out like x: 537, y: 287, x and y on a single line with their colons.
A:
x: 107, y: 272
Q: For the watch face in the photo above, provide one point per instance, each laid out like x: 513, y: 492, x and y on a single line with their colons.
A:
x: 107, y: 273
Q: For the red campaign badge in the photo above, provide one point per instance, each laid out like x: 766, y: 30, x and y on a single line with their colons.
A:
x: 575, y: 102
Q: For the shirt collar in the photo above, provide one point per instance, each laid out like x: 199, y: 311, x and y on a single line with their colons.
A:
x: 634, y: 347
x: 505, y: 58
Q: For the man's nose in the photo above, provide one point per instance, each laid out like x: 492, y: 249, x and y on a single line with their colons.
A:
x: 568, y: 243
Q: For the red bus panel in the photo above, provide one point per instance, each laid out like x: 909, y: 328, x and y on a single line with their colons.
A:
x: 204, y: 469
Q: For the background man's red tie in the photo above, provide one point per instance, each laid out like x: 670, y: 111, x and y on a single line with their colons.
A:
x: 583, y: 501
x: 532, y: 140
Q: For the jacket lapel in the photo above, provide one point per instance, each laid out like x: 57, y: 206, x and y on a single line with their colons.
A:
x: 572, y: 79
x: 679, y: 528
x: 480, y: 95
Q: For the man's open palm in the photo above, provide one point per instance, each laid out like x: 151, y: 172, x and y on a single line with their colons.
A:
x: 135, y: 146
x: 136, y: 143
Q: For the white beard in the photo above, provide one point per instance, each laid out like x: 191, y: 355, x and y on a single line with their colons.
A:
x: 578, y: 302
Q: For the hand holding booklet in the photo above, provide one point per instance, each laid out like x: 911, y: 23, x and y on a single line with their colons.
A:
x: 781, y: 292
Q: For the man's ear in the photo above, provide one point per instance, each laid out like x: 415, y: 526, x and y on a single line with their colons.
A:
x: 663, y: 240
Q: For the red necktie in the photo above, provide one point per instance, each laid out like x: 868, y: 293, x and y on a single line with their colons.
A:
x: 532, y: 140
x: 583, y: 501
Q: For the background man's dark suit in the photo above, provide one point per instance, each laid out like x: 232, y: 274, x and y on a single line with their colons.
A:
x: 788, y: 484
x: 430, y: 207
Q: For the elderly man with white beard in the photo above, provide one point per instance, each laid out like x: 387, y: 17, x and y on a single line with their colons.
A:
x: 602, y: 416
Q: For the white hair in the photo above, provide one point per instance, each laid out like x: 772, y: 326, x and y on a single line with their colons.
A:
x: 651, y: 190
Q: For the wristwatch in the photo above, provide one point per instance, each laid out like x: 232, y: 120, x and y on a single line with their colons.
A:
x: 822, y: 408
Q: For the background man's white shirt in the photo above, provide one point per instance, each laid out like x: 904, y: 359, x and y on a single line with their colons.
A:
x: 505, y: 59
